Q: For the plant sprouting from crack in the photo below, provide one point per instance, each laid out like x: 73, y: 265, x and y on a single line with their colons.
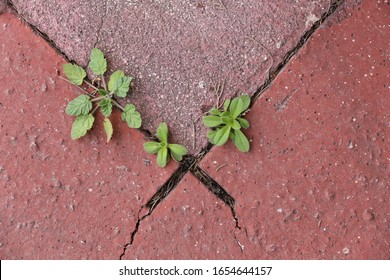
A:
x: 163, y: 148
x: 228, y: 123
x: 82, y: 107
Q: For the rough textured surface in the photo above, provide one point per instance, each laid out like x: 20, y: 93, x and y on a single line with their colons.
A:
x: 316, y: 182
x: 61, y: 199
x: 191, y: 224
x: 178, y: 51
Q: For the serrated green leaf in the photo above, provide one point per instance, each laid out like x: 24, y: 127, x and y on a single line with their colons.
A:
x: 108, y: 128
x: 162, y: 132
x: 98, y: 64
x: 240, y: 141
x: 106, y: 107
x: 162, y: 157
x: 74, y: 73
x: 81, y: 125
x: 226, y: 104
x: 113, y: 78
x: 131, y: 116
x: 177, y: 151
x: 102, y: 92
x: 212, y: 121
x: 152, y: 147
x: 236, y: 125
x: 81, y: 105
x: 222, y: 135
x: 121, y: 86
x: 244, y: 123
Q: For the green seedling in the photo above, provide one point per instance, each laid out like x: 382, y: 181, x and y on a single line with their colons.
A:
x: 228, y: 123
x: 85, y: 105
x: 163, y: 148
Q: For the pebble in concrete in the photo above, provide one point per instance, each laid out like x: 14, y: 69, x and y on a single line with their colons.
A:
x: 59, y: 198
x: 315, y: 184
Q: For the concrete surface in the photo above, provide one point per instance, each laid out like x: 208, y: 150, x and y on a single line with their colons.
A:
x: 178, y: 50
x: 315, y: 184
x: 62, y: 199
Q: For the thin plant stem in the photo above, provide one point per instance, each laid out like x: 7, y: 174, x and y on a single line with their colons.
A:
x: 91, y: 85
x: 83, y: 90
x: 98, y: 98
x: 104, y: 83
x: 94, y: 109
x: 118, y: 105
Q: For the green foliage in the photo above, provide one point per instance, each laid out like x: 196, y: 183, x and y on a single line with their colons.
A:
x: 228, y: 123
x: 103, y: 95
x: 81, y: 125
x: 79, y: 106
x: 75, y: 73
x: 131, y: 116
x: 98, y: 63
x: 163, y: 148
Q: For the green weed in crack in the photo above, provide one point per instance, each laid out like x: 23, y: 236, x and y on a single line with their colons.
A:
x: 228, y: 123
x: 103, y: 95
x: 163, y: 149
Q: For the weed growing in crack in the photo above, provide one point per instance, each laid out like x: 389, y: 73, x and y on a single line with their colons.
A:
x: 82, y: 107
x: 163, y: 148
x: 228, y: 123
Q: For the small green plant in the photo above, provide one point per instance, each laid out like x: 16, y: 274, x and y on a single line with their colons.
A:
x: 82, y: 107
x: 163, y: 148
x: 228, y: 123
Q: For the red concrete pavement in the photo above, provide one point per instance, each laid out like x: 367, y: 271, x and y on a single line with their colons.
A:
x: 62, y: 199
x: 179, y: 50
x: 315, y: 184
x: 192, y: 223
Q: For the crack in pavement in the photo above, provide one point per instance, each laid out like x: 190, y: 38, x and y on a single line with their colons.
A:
x: 333, y: 5
x: 101, y: 23
x: 37, y: 31
x: 190, y: 163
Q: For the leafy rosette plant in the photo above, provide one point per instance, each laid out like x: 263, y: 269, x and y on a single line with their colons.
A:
x: 228, y: 123
x: 163, y: 149
x: 82, y: 107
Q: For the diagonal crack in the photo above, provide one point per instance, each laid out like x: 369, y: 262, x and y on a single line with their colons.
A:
x: 333, y: 5
x: 98, y: 32
x: 191, y: 163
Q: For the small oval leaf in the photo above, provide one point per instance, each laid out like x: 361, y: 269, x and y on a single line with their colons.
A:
x: 177, y: 151
x: 108, y: 128
x: 222, y: 135
x: 240, y: 141
x: 212, y: 121
x: 162, y: 157
x: 152, y: 147
x: 162, y: 132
